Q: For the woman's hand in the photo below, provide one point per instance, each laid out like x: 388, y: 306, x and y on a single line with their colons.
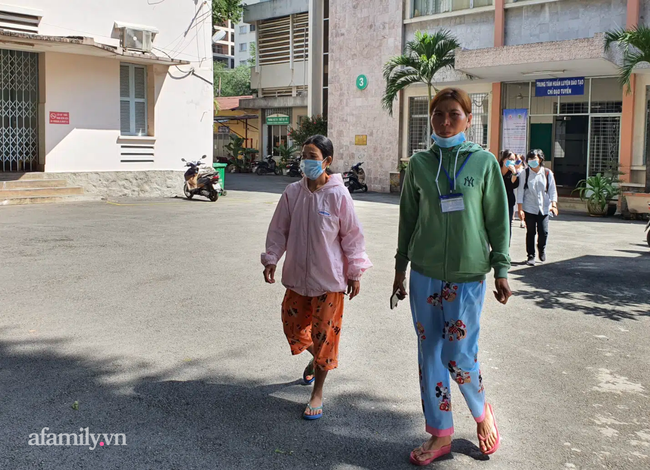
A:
x: 503, y: 292
x: 522, y: 216
x: 398, y: 285
x: 269, y: 274
x: 554, y: 209
x: 353, y: 288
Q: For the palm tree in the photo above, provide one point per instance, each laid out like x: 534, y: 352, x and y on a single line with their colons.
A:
x: 636, y: 49
x: 423, y: 58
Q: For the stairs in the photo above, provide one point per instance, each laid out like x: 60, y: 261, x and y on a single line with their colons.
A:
x: 572, y: 204
x: 36, y: 188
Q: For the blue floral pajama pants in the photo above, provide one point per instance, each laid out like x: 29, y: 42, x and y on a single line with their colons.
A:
x: 446, y: 318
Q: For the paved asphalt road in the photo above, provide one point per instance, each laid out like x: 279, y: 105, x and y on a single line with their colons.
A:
x: 153, y: 316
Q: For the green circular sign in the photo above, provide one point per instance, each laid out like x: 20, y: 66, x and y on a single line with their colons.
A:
x: 362, y: 82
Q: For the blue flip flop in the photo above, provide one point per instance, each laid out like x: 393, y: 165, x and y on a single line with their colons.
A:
x: 309, y: 370
x: 313, y: 417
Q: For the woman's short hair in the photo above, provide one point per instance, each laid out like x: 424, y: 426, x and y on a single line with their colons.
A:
x: 535, y: 153
x: 459, y: 96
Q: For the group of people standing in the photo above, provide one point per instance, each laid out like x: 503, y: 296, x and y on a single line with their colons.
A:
x: 531, y: 188
x: 454, y: 228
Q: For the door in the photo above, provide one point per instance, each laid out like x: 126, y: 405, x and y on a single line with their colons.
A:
x: 570, y: 152
x: 278, y: 135
x: 18, y: 110
x: 541, y: 137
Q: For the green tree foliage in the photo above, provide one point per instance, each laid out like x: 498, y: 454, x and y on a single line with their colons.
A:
x: 308, y: 127
x: 234, y: 82
x: 425, y: 56
x: 224, y: 10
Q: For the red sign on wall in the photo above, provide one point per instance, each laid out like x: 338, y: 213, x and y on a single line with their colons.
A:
x: 59, y: 118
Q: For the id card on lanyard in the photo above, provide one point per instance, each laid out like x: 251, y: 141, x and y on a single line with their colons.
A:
x: 452, y: 202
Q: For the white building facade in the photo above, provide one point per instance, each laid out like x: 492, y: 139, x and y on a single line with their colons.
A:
x: 245, y: 41
x: 108, y: 94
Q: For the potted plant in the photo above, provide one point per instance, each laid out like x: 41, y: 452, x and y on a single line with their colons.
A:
x: 240, y: 157
x: 598, y: 191
x: 286, y: 154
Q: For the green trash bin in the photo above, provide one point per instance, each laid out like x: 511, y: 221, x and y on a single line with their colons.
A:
x: 221, y: 169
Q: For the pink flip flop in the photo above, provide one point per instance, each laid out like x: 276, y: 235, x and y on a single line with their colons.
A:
x: 435, y: 454
x: 496, y: 444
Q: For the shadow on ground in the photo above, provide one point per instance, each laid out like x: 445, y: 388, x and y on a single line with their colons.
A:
x: 273, y: 184
x: 216, y: 422
x: 592, y: 285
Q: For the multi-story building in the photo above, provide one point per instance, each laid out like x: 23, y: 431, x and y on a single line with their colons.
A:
x: 110, y: 95
x: 223, y: 44
x: 245, y: 41
x: 290, y: 71
x: 538, y: 63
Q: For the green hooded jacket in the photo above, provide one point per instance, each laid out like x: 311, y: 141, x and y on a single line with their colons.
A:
x: 457, y: 246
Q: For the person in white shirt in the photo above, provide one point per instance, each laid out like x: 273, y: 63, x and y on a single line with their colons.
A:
x: 536, y: 198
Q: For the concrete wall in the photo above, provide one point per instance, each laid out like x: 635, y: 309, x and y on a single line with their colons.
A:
x: 180, y: 104
x: 274, y: 9
x: 644, y: 12
x: 638, y: 148
x: 280, y: 75
x: 563, y: 20
x: 88, y: 89
x: 363, y: 36
x: 474, y: 31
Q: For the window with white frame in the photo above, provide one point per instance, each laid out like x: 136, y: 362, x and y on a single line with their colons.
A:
x: 418, y: 125
x: 243, y: 47
x: 478, y: 131
x: 133, y: 99
x: 243, y: 29
x: 436, y: 7
x: 252, y: 28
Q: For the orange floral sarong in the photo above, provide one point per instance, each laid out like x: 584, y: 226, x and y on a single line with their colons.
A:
x: 317, y: 321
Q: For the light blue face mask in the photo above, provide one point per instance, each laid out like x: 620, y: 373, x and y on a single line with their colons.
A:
x: 312, y: 169
x: 533, y: 163
x: 510, y: 163
x: 449, y: 142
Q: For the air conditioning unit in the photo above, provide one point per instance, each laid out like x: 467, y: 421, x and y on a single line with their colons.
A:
x: 137, y: 39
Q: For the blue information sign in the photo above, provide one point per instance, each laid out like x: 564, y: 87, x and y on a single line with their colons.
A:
x: 560, y: 86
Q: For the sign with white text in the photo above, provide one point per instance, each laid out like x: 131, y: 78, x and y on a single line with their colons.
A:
x: 560, y: 87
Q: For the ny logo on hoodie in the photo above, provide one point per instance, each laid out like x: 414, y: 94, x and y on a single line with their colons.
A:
x: 469, y: 181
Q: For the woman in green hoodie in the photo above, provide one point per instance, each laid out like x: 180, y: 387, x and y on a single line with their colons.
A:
x: 453, y: 230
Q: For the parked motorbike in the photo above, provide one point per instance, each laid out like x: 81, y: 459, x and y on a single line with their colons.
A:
x: 293, y: 168
x: 205, y: 184
x: 269, y: 165
x: 355, y: 179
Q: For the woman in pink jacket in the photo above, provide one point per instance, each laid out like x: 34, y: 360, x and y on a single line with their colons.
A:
x: 315, y: 224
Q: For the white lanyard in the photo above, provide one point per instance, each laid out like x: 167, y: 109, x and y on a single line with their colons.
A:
x: 455, y: 174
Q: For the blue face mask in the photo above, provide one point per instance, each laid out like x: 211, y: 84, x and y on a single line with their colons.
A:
x: 510, y: 163
x: 533, y: 163
x: 449, y: 142
x: 312, y: 169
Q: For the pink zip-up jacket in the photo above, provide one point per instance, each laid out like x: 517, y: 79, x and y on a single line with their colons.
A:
x: 321, y: 236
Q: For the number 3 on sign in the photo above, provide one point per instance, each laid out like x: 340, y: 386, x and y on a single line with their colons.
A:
x: 362, y: 82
